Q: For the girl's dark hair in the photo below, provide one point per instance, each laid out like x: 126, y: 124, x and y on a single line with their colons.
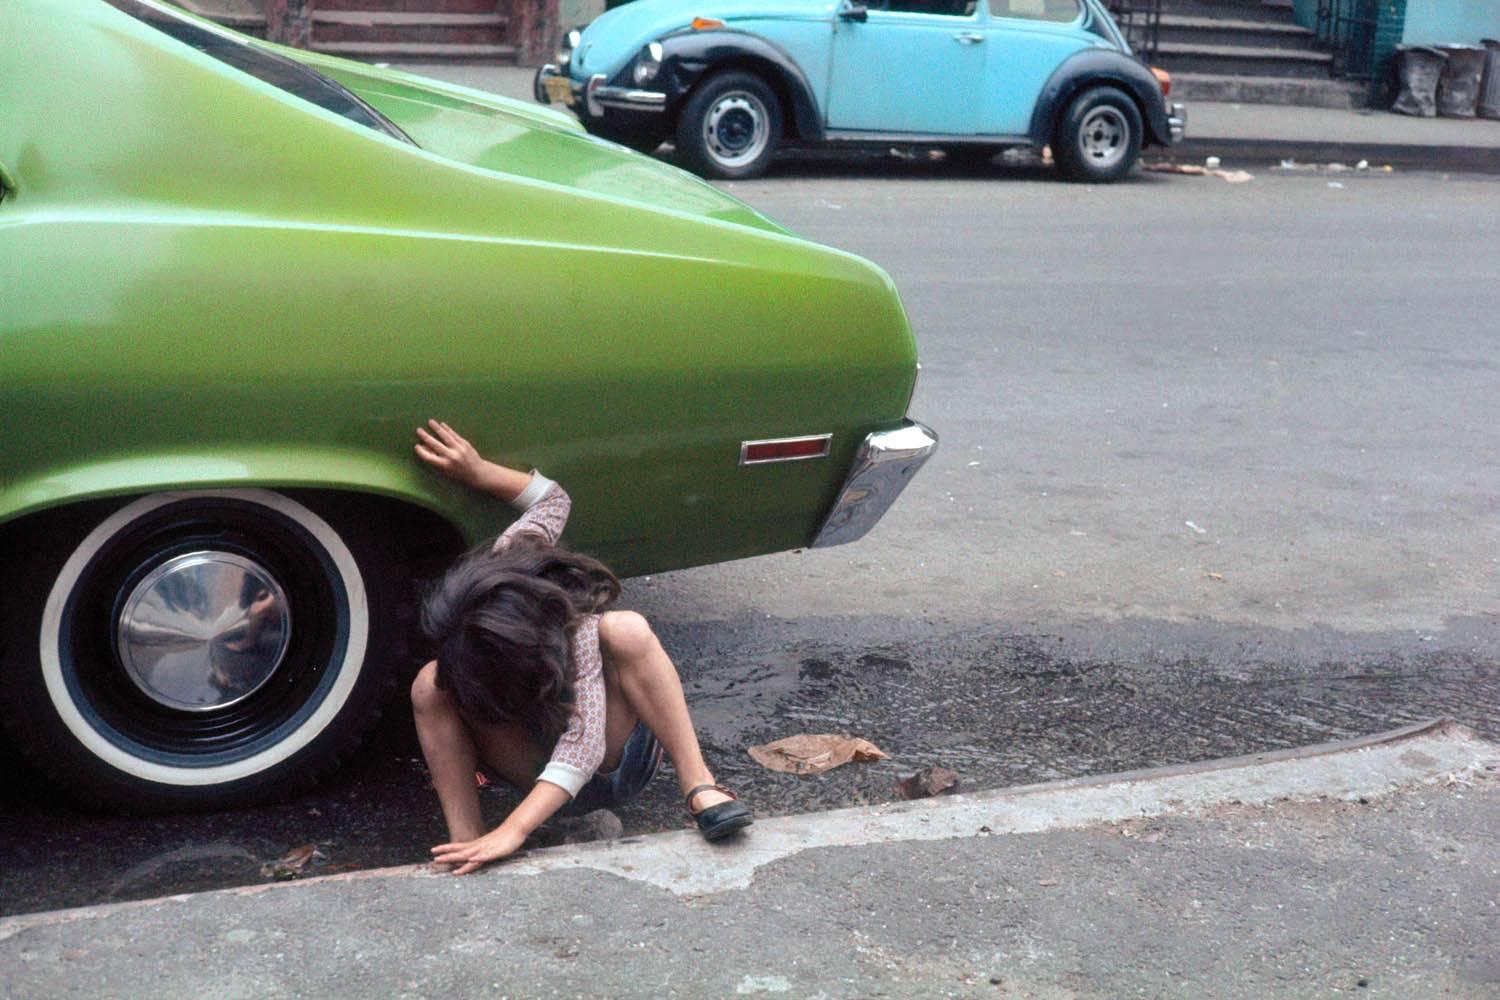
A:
x: 500, y: 624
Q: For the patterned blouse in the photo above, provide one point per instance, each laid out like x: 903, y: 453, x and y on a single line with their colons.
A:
x: 580, y: 749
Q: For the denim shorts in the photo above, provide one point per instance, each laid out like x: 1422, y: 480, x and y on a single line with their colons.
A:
x: 638, y: 763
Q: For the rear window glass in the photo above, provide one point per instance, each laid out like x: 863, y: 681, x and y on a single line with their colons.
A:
x: 268, y: 67
x: 1037, y: 10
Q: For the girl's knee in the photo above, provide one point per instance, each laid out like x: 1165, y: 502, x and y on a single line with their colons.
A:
x: 426, y: 696
x: 626, y: 633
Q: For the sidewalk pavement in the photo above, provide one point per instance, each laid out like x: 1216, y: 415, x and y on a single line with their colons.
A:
x: 1364, y: 869
x: 1239, y: 134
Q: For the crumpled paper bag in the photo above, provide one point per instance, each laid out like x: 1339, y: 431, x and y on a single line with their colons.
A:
x: 815, y: 753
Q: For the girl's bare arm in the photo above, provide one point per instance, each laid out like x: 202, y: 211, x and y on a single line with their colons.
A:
x: 443, y: 448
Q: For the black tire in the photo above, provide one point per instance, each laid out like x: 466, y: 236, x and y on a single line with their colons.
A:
x: 1099, y: 136
x: 730, y: 127
x: 195, y: 650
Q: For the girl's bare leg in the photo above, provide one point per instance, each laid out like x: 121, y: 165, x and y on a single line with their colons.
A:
x: 636, y: 662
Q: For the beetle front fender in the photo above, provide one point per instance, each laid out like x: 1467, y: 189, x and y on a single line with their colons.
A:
x: 688, y: 57
x: 1094, y: 66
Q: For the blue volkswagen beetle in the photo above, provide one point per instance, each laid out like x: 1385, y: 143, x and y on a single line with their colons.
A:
x: 730, y: 81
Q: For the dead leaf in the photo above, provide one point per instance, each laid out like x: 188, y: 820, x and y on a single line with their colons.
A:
x: 290, y: 865
x: 1047, y: 882
x: 815, y: 753
x: 928, y: 782
x: 1215, y: 576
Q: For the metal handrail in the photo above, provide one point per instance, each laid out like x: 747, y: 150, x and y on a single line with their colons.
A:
x: 1140, y: 20
x: 1347, y: 29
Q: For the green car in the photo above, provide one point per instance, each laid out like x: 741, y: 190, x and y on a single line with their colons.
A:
x: 238, y: 276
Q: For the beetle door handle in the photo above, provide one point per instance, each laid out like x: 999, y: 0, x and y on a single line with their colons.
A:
x: 968, y: 38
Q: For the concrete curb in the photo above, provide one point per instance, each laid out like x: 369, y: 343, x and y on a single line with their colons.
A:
x: 1457, y: 159
x: 683, y: 864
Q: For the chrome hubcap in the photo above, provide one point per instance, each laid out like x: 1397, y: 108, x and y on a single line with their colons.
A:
x: 203, y: 631
x: 737, y: 128
x: 1103, y: 136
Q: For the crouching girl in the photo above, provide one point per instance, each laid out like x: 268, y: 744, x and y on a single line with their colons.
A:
x: 535, y: 680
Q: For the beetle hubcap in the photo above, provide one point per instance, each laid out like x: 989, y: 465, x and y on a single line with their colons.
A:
x: 737, y: 129
x: 1103, y: 136
x: 203, y: 631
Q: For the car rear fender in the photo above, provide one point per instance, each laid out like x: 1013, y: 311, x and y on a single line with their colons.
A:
x: 688, y: 57
x: 1100, y: 66
x: 290, y: 467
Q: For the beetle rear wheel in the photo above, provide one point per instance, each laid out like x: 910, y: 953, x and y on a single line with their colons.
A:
x: 730, y: 127
x: 1099, y: 137
x: 195, y: 649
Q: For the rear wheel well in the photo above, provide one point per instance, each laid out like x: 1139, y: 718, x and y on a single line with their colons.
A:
x: 1085, y: 83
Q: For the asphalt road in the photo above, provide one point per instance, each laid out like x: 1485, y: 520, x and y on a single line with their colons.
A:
x: 1217, y: 475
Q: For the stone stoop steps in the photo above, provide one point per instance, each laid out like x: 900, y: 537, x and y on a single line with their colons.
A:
x: 426, y: 31
x: 413, y: 30
x: 1248, y: 51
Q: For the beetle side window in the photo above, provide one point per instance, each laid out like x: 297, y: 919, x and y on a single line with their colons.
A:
x: 268, y: 67
x: 944, y: 8
x: 1064, y: 11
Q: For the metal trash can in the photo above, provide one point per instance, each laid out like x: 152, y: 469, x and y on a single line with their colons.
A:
x: 1418, y: 68
x: 1458, y: 87
x: 1489, y: 91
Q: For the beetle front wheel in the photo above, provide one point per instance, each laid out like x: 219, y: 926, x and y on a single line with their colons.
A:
x: 730, y: 127
x: 194, y: 649
x: 1099, y: 137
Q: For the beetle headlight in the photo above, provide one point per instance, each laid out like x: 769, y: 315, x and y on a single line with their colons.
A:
x: 647, y: 64
x: 569, y: 43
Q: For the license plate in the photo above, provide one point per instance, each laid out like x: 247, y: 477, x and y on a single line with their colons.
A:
x: 559, y: 89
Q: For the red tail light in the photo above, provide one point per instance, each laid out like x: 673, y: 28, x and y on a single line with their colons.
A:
x: 1163, y: 79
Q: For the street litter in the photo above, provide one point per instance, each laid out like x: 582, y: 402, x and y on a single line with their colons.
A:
x: 928, y: 782
x: 815, y: 753
x: 1192, y: 169
x: 291, y: 864
x: 1336, y: 184
x: 1196, y: 530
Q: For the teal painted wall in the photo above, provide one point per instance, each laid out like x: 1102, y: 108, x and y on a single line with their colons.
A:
x: 1306, y: 12
x: 1429, y: 21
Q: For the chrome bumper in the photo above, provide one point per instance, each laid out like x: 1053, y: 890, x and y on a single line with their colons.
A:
x: 882, y: 467
x: 594, y: 96
x: 1177, y: 122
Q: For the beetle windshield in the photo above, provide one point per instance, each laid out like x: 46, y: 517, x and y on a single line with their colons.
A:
x: 266, y: 66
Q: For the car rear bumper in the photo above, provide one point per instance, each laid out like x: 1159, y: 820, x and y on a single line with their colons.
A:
x: 883, y: 466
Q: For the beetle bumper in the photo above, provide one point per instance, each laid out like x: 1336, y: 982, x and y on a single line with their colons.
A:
x: 882, y: 467
x: 591, y: 98
x: 1177, y: 121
